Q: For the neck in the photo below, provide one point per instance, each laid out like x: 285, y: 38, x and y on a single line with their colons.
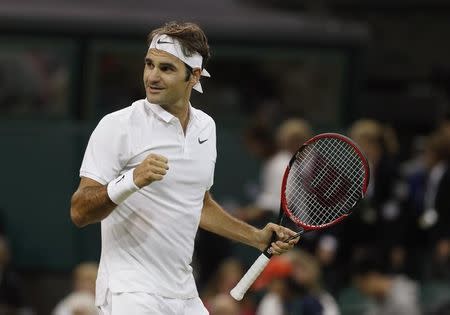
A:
x: 181, y: 112
x: 183, y: 116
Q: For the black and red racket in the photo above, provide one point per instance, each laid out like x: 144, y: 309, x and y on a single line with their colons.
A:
x: 323, y: 182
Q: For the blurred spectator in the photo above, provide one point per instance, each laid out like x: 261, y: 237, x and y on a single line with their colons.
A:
x: 290, y: 135
x: 77, y: 303
x: 292, y: 284
x: 436, y: 162
x: 307, y: 277
x: 414, y: 170
x: 47, y: 77
x: 326, y: 254
x: 274, y: 280
x: 228, y: 274
x: 11, y: 291
x: 379, y: 219
x: 260, y: 143
x: 415, y: 162
x: 224, y: 304
x: 436, y: 215
x: 393, y: 295
x: 437, y: 265
x: 82, y: 299
x: 275, y: 152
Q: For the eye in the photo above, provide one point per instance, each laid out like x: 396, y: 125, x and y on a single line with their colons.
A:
x: 149, y: 64
x: 166, y: 68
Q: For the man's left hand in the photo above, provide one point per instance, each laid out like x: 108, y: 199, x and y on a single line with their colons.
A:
x: 281, y: 245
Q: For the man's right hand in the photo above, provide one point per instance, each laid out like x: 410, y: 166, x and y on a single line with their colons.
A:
x: 153, y: 168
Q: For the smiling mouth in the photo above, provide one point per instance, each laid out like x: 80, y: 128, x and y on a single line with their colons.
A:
x: 155, y: 88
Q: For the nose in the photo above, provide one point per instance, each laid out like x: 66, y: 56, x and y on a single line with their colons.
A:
x: 153, y: 75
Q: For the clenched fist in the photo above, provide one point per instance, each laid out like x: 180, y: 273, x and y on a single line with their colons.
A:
x: 153, y: 168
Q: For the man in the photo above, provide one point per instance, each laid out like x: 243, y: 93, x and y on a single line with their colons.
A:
x: 146, y: 176
x: 81, y: 299
x: 393, y: 295
x: 290, y: 135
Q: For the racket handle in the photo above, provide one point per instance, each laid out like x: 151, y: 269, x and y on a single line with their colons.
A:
x: 247, y: 280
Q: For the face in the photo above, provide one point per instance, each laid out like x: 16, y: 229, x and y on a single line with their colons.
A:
x: 370, y: 147
x: 367, y: 284
x: 164, y: 80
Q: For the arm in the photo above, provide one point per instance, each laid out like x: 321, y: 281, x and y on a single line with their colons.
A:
x: 216, y: 220
x: 91, y: 202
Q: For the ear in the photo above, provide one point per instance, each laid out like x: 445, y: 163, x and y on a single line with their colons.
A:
x: 195, y: 77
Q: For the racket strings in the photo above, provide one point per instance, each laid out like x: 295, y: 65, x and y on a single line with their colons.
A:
x: 329, y: 182
x: 325, y: 180
x: 351, y: 163
x: 305, y: 212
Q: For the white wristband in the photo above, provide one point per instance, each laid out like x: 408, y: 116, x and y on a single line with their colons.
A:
x: 122, y: 187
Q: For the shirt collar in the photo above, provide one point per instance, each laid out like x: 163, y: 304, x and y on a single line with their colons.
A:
x: 166, y: 116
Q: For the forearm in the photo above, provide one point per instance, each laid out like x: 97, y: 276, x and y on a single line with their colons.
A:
x: 216, y: 220
x: 90, y: 205
x: 92, y: 202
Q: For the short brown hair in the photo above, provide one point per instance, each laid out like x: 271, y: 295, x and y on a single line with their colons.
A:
x: 190, y: 35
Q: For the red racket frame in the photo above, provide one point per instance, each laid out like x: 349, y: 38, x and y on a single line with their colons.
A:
x: 358, y: 151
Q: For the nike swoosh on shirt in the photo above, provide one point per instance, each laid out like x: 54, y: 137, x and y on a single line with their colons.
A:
x: 202, y: 141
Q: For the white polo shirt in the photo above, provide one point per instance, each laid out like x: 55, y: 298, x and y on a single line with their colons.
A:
x: 148, y: 240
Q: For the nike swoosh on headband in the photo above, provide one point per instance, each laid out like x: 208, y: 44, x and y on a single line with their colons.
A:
x: 195, y: 60
x: 161, y: 42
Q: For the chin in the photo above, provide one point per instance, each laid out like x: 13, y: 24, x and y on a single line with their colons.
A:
x: 153, y: 99
x: 157, y: 101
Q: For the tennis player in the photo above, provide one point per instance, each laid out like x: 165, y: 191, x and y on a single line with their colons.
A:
x: 146, y: 175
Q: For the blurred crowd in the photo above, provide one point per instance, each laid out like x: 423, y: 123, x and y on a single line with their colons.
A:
x: 13, y: 299
x: 391, y: 256
x: 81, y: 300
x: 47, y: 77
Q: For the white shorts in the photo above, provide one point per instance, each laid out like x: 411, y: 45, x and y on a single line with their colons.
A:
x: 141, y: 303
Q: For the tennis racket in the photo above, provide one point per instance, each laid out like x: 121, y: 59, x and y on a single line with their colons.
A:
x: 323, y: 182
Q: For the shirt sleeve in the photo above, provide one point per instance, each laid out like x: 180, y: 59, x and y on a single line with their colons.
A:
x: 107, y: 151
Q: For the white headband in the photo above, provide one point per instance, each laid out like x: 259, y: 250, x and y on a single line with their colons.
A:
x: 173, y: 47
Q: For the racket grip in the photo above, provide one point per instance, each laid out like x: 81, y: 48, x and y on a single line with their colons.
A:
x: 247, y: 280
